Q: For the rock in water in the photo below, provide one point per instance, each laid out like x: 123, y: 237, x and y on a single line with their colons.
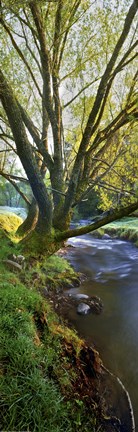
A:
x: 106, y: 236
x: 78, y: 296
x: 83, y: 309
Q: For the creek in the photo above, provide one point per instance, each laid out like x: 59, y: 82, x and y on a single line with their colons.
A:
x: 111, y: 267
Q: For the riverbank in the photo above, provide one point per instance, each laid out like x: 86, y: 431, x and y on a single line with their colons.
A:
x: 51, y: 379
x: 126, y: 229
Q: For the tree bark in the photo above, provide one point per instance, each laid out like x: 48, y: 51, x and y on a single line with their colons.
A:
x: 25, y: 152
x: 30, y: 222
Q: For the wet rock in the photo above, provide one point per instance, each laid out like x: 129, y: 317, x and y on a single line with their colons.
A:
x: 85, y: 304
x: 97, y: 308
x: 78, y: 296
x: 83, y: 309
x: 106, y: 237
x: 96, y: 304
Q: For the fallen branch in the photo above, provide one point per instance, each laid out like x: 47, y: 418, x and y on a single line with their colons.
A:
x: 13, y: 264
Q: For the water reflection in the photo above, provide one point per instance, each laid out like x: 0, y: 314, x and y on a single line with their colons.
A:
x: 112, y: 269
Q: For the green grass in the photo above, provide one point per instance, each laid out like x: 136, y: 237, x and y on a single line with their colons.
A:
x: 53, y: 272
x: 38, y: 377
x: 56, y: 264
x: 129, y: 222
x: 126, y: 228
x: 30, y: 398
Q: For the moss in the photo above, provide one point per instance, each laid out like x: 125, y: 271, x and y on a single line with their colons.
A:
x: 10, y: 222
x: 40, y: 244
x: 98, y: 233
x: 40, y: 365
x: 126, y: 228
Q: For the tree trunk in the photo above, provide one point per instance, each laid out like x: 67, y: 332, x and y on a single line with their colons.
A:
x: 25, y: 152
x: 30, y: 222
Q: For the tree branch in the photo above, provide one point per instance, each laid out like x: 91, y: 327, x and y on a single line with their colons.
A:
x: 58, y: 156
x: 30, y: 50
x: 21, y: 55
x: 97, y: 104
x: 48, y: 100
x: 81, y: 91
x: 100, y: 221
x: 57, y: 36
x: 103, y: 89
x: 36, y: 137
x: 45, y: 59
x: 70, y: 24
x: 18, y: 178
x: 8, y: 177
x: 122, y: 118
x: 5, y: 135
x: 114, y: 189
x: 119, y: 67
x: 7, y: 143
x: 25, y: 152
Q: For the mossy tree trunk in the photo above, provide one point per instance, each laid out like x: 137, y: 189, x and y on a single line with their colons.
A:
x: 25, y: 152
x: 30, y: 222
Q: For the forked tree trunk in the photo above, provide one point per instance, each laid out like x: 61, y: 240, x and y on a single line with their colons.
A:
x: 30, y: 222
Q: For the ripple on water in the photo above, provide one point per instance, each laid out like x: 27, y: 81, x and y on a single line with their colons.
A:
x: 112, y: 273
x: 104, y: 247
x: 95, y: 242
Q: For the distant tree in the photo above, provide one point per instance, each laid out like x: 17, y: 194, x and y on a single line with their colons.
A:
x: 12, y: 193
x: 54, y: 54
x: 88, y: 207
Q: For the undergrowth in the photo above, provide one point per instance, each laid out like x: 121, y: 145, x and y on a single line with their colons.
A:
x: 31, y: 400
x: 37, y: 376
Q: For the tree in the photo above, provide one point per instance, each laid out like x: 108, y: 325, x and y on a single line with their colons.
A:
x: 12, y: 193
x: 54, y: 50
x: 119, y: 183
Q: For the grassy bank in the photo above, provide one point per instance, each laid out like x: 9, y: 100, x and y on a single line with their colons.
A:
x: 49, y: 377
x: 126, y: 229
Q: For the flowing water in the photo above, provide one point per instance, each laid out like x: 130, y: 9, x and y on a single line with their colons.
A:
x: 111, y: 267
